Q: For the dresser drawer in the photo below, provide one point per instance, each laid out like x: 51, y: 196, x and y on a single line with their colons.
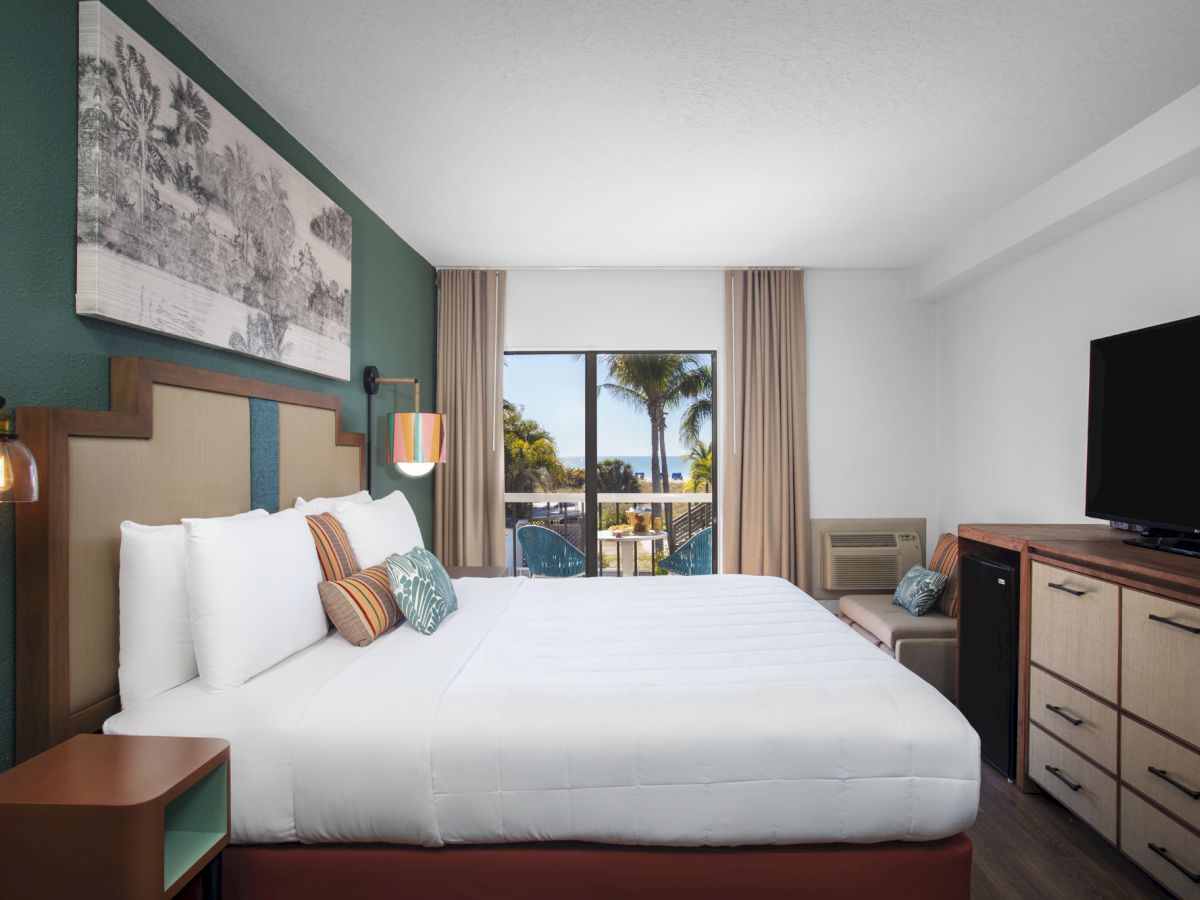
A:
x: 1161, y: 846
x: 1094, y: 795
x: 1176, y: 774
x: 1160, y: 663
x: 1082, y: 721
x: 1073, y: 628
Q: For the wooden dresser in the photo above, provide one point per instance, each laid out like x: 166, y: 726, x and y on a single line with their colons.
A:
x: 1109, y: 688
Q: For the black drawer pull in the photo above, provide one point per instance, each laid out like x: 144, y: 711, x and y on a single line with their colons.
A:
x: 1063, y: 587
x: 1165, y: 854
x: 1153, y: 618
x: 1059, y: 711
x: 1057, y: 773
x: 1195, y: 795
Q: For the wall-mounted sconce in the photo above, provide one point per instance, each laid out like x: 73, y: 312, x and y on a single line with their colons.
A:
x: 416, y: 440
x: 18, y: 469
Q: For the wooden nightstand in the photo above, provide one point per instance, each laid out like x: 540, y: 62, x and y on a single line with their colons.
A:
x: 107, y: 816
x: 477, y: 571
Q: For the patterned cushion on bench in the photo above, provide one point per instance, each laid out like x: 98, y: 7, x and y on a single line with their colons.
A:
x: 919, y: 590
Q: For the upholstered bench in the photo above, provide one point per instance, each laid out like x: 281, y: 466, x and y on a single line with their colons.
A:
x: 928, y: 644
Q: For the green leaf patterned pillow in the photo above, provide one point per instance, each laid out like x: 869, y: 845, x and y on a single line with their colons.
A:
x: 919, y: 590
x: 440, y: 575
x: 418, y: 595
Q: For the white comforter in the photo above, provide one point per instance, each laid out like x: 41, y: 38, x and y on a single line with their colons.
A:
x: 687, y: 711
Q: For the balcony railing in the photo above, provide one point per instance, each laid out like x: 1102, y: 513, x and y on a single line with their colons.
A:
x: 682, y: 515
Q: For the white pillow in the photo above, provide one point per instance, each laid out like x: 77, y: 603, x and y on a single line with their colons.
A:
x: 377, y: 530
x: 156, y: 651
x: 319, y: 505
x: 253, y: 591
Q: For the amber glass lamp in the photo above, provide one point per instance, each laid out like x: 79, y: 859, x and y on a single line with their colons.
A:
x: 18, y: 469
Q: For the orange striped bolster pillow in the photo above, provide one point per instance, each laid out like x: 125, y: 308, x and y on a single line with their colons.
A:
x: 944, y: 559
x: 333, y: 547
x: 361, y: 607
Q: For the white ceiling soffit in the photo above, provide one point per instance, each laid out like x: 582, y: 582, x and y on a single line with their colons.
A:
x: 833, y: 133
x: 1157, y: 153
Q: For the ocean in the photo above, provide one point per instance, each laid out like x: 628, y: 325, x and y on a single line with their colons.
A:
x: 639, y: 463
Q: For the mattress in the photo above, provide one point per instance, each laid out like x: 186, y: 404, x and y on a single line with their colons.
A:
x: 713, y: 710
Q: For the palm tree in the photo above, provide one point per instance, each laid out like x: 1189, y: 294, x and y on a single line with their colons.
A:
x: 530, y: 454
x: 192, y: 117
x: 652, y: 382
x: 134, y: 109
x: 276, y: 228
x: 192, y: 123
x: 700, y: 465
x: 265, y: 333
x: 239, y: 195
x: 697, y: 388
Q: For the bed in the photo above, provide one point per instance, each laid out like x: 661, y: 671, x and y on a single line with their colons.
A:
x: 697, y: 737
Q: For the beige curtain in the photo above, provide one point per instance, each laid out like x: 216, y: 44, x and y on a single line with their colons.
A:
x: 764, y: 474
x: 468, y: 526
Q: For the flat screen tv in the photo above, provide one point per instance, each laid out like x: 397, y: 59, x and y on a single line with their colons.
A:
x: 1143, y: 461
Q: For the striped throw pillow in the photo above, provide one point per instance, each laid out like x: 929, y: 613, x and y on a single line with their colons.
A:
x: 362, y: 606
x: 944, y: 559
x: 333, y: 547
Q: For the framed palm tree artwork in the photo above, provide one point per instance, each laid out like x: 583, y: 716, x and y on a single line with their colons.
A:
x: 190, y: 225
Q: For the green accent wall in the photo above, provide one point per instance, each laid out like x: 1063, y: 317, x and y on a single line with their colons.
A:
x: 51, y: 357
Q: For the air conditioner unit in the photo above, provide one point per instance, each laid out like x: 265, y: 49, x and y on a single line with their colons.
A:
x: 868, y: 560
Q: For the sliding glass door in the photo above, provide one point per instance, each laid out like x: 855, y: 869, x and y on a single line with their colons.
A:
x: 545, y: 439
x: 611, y: 457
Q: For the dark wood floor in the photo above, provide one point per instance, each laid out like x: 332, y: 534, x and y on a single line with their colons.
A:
x: 1026, y: 845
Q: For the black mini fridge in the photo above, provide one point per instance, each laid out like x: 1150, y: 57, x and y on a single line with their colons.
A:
x: 987, y: 656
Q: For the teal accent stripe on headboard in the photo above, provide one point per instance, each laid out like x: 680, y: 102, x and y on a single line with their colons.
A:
x: 264, y: 454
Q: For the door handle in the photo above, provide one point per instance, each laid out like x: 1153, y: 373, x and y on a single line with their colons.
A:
x: 1065, y: 589
x: 1059, y: 711
x: 1057, y: 773
x: 1188, y: 628
x: 1160, y: 773
x: 1166, y: 854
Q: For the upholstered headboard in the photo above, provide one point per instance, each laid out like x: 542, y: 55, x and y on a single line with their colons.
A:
x: 177, y: 442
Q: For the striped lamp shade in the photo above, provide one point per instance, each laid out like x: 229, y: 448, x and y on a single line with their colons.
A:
x: 417, y: 437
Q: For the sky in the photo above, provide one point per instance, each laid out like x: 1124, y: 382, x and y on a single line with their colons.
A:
x: 550, y: 388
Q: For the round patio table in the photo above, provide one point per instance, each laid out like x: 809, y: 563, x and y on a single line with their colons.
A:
x: 627, y: 548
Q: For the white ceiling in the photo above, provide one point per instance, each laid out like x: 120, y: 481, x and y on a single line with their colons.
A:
x: 741, y: 132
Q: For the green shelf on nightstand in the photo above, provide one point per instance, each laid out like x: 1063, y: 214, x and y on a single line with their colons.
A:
x: 193, y: 823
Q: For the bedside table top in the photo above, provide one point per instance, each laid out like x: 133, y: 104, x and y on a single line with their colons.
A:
x: 109, y: 770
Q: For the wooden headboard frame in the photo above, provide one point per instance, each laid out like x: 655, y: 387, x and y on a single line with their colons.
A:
x: 43, y: 713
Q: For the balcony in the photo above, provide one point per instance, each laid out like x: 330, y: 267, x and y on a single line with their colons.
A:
x: 679, y: 515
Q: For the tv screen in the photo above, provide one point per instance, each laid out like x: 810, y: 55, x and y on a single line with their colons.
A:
x: 1143, y: 464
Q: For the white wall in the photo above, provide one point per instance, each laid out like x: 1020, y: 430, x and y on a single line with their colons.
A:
x: 611, y: 309
x: 871, y: 384
x: 871, y: 396
x: 1013, y: 357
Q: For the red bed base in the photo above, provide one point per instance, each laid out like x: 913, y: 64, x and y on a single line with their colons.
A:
x: 900, y: 871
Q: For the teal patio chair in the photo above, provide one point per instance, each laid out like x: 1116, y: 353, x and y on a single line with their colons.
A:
x: 548, y: 554
x: 694, y: 557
